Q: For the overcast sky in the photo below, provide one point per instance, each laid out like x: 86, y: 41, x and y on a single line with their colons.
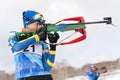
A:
x: 102, y: 43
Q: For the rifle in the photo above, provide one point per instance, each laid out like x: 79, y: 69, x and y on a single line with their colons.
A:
x: 80, y: 26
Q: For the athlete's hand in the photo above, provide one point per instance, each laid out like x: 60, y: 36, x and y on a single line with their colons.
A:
x: 42, y: 34
x: 53, y: 38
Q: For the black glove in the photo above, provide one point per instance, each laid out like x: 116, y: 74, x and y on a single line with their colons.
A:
x: 53, y: 38
x: 42, y: 33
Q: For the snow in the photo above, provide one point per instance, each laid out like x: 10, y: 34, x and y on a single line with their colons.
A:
x: 78, y: 78
x: 108, y: 76
x: 113, y: 77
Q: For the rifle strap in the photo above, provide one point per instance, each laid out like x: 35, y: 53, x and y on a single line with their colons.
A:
x: 80, y: 38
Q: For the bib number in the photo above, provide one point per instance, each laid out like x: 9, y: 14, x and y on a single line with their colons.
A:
x: 37, y: 49
x: 32, y: 48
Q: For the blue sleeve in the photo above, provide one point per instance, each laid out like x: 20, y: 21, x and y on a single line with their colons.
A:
x: 48, y: 61
x: 20, y: 45
x: 92, y: 75
x: 48, y: 58
x: 89, y: 73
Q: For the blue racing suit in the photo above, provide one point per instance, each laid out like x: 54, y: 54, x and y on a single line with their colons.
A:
x: 32, y: 56
x: 92, y: 75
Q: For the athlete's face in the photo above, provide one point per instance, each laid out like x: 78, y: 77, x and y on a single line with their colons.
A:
x: 93, y: 69
x: 34, y: 27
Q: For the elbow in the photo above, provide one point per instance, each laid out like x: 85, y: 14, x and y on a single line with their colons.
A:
x: 17, y: 47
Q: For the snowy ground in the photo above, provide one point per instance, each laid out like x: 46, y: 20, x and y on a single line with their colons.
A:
x: 108, y: 76
x: 78, y: 78
x: 111, y: 76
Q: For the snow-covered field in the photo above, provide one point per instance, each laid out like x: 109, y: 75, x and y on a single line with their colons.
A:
x: 78, y: 78
x: 111, y: 76
x: 108, y: 76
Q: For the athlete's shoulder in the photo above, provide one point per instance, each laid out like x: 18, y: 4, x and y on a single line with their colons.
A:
x: 12, y: 34
x: 12, y: 37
